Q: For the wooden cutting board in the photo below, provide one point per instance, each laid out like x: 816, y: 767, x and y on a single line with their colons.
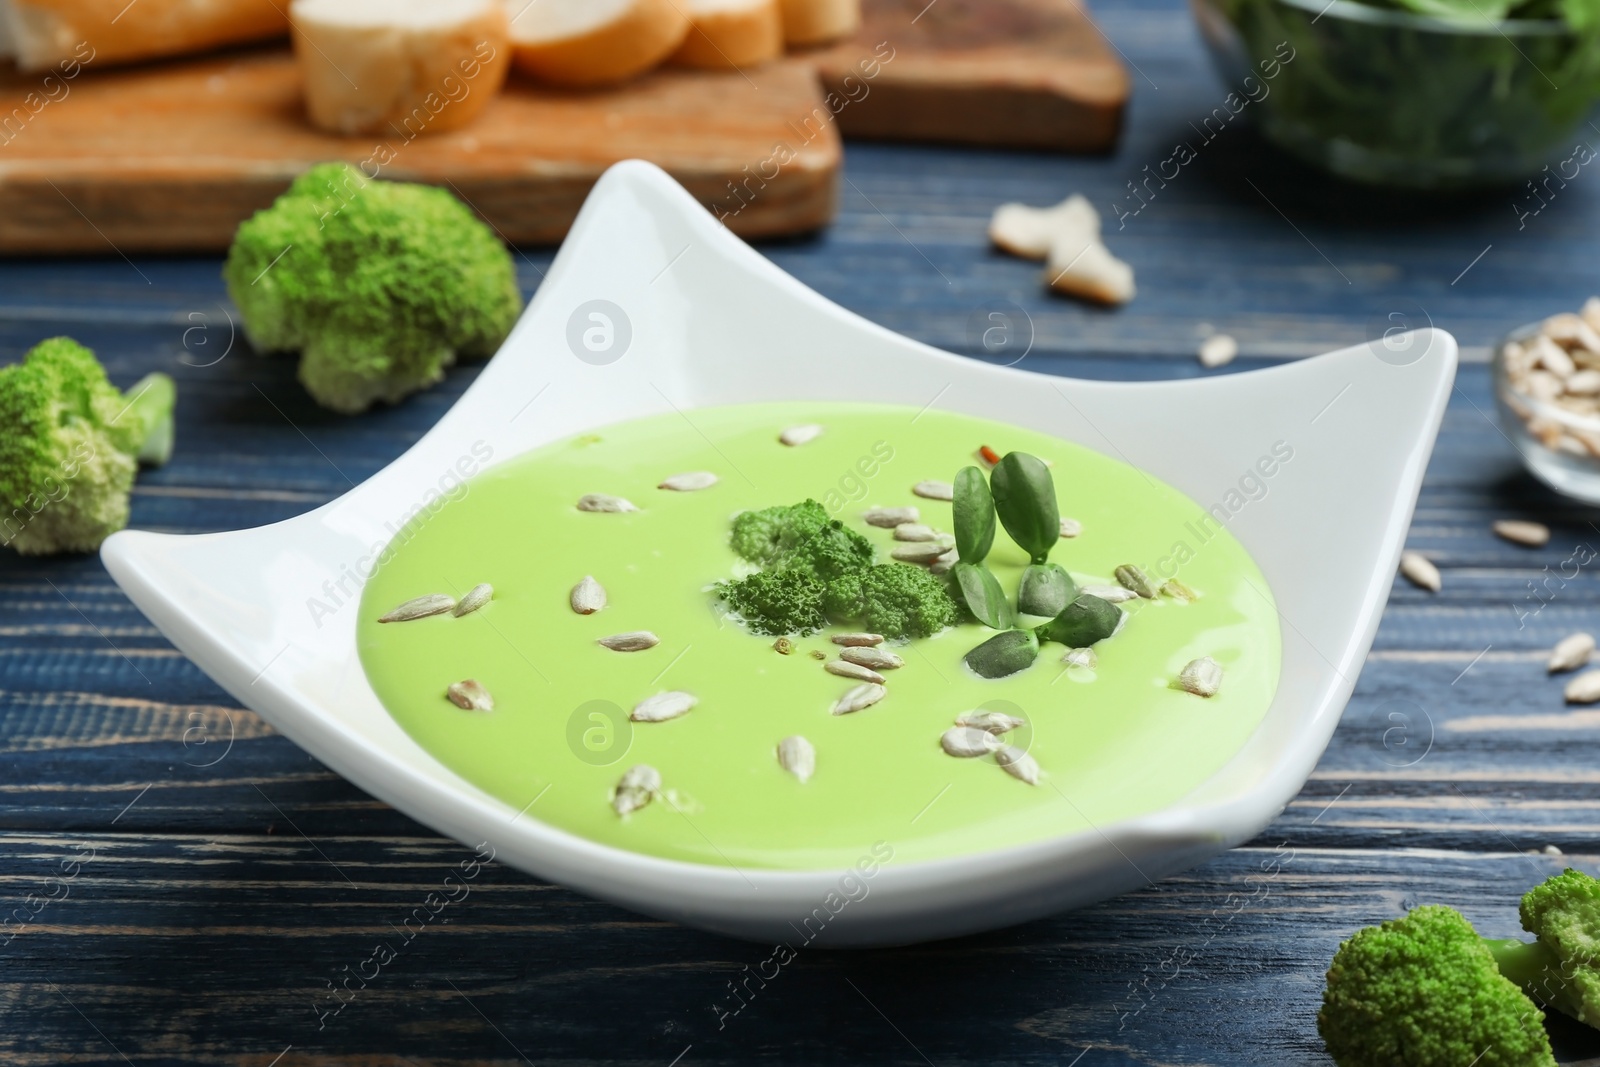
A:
x: 1001, y: 73
x: 172, y: 156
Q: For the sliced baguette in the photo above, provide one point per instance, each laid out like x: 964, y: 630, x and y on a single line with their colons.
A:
x: 402, y: 66
x: 583, y: 43
x: 811, y: 22
x: 730, y: 34
x: 45, y: 33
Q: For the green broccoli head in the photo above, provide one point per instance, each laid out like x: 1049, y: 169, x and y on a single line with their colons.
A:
x: 379, y: 285
x: 892, y: 599
x: 1562, y: 968
x: 1424, y: 991
x: 776, y: 602
x: 71, y: 447
x: 800, y: 536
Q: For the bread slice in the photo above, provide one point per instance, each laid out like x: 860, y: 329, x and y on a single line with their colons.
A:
x: 401, y: 66
x: 730, y: 34
x: 811, y: 22
x: 47, y: 33
x: 584, y: 43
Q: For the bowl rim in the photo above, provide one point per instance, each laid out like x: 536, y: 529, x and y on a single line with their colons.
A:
x: 1354, y: 11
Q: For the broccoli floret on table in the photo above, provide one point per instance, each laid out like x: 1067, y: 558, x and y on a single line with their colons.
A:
x: 1424, y: 991
x: 1562, y: 968
x: 72, y: 445
x: 379, y: 285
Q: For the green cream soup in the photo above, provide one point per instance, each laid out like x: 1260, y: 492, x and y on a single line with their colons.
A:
x: 1112, y: 741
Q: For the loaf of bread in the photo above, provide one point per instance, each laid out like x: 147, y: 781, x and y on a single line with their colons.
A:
x: 813, y: 22
x: 585, y: 43
x: 401, y: 66
x: 44, y: 33
x: 730, y: 34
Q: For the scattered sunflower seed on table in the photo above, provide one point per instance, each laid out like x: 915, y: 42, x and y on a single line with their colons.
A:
x: 690, y: 482
x: 934, y: 490
x: 968, y: 742
x: 633, y: 641
x: 798, y: 757
x: 470, y: 695
x: 795, y: 436
x: 420, y: 608
x: 1584, y: 689
x: 1202, y: 677
x: 1517, y: 531
x: 1420, y: 571
x: 889, y: 518
x: 879, y: 659
x: 846, y: 669
x: 476, y: 597
x: 604, y: 503
x: 635, y: 789
x: 588, y: 596
x: 1570, y: 653
x: 860, y: 697
x: 1218, y: 350
x: 664, y: 706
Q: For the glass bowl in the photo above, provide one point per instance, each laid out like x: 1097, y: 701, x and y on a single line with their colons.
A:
x: 1391, y: 98
x: 1559, y: 441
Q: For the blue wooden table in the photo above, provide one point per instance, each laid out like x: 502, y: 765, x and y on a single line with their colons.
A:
x: 186, y: 887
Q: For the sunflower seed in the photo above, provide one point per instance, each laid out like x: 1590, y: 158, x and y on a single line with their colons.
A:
x: 1018, y: 764
x: 796, y: 756
x: 846, y: 669
x: 1533, y: 534
x: 636, y: 788
x: 602, y: 502
x: 934, y: 490
x: 889, y: 518
x: 476, y: 597
x: 1217, y: 350
x: 795, y: 436
x: 689, y: 483
x: 1178, y: 591
x: 588, y: 596
x: 1131, y: 577
x: 967, y: 742
x: 879, y: 659
x: 995, y: 722
x: 633, y: 641
x: 945, y: 563
x: 915, y: 531
x: 1420, y: 571
x: 470, y: 695
x: 1081, y: 657
x: 1071, y: 527
x: 918, y: 552
x: 1113, y: 594
x: 1584, y: 689
x: 861, y: 696
x: 1570, y: 653
x: 1202, y: 677
x: 817, y: 653
x: 783, y: 646
x: 663, y: 706
x: 420, y: 608
x: 857, y: 640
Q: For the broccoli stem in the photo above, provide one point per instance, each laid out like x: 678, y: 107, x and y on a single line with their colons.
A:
x: 150, y: 404
x: 1535, y: 967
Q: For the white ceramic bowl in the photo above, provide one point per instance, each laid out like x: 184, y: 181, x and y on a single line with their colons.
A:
x: 713, y: 322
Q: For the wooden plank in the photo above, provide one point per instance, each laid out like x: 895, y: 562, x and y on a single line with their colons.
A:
x: 172, y: 156
x: 997, y: 73
x: 1221, y: 967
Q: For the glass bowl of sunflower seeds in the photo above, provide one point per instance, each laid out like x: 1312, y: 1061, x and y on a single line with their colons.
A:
x: 1547, y: 389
